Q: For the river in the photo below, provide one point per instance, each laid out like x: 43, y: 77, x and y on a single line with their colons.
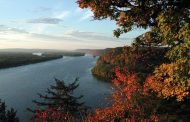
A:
x: 20, y: 85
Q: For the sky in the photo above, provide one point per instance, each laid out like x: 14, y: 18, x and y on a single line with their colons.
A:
x: 56, y: 24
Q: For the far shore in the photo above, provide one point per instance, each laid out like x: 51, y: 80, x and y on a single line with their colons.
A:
x: 8, y: 60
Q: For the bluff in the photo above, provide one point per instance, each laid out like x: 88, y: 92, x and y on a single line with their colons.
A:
x: 139, y: 60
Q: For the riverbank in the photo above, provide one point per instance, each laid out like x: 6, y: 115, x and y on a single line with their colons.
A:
x: 8, y: 60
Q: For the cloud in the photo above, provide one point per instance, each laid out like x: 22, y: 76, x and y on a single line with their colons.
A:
x: 2, y: 26
x: 55, y: 18
x: 17, y: 38
x: 46, y: 20
x: 61, y: 15
x: 83, y: 14
x: 5, y: 29
x: 93, y: 36
x: 44, y: 9
x: 86, y: 15
x: 78, y: 10
x: 41, y: 9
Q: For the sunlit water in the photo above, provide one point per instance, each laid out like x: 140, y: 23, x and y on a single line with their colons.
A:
x: 20, y: 85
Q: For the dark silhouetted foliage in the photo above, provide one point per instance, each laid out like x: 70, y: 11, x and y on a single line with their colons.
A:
x: 60, y: 103
x: 7, y: 115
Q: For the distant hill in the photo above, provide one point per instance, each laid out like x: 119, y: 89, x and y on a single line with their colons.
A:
x: 94, y: 52
x: 43, y: 51
x: 31, y: 50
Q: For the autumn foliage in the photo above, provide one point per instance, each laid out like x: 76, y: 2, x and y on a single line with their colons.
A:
x: 168, y: 21
x: 151, y: 77
x: 127, y: 105
x: 140, y: 60
x: 134, y: 101
x: 51, y: 115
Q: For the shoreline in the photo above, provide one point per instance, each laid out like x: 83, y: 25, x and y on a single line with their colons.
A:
x: 12, y: 60
x: 28, y: 63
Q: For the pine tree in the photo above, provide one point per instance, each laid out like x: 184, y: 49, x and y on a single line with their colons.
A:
x: 61, y: 96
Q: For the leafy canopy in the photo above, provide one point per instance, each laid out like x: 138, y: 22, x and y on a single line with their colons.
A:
x: 169, y: 23
x: 134, y: 13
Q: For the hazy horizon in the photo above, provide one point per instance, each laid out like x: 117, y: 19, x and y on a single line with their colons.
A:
x: 55, y: 24
x: 53, y: 49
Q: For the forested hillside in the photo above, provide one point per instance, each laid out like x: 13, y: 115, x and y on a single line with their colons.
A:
x: 141, y: 60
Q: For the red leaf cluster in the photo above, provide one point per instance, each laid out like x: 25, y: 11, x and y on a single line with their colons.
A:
x: 51, y: 115
x: 126, y: 106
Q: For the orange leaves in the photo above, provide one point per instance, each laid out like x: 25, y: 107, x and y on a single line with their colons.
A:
x: 151, y: 84
x: 51, y: 115
x: 105, y: 115
x: 129, y: 85
x: 166, y: 83
x: 172, y: 85
x: 120, y: 76
x: 126, y: 106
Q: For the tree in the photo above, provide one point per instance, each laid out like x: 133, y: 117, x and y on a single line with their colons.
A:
x: 59, y: 103
x: 7, y: 115
x: 140, y: 60
x: 169, y: 82
x: 134, y: 13
x: 135, y: 102
x: 129, y: 103
x: 169, y: 23
x: 172, y: 80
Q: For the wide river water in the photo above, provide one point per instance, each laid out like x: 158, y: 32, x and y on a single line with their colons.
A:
x: 20, y: 85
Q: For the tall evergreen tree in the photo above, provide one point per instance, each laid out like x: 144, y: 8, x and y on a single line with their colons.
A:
x: 60, y: 96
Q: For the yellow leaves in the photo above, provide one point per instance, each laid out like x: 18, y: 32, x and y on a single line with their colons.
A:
x: 179, y: 52
x: 184, y: 32
x: 172, y: 82
x: 176, y: 89
x: 173, y: 27
x: 165, y: 70
x: 168, y: 80
x: 175, y: 77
